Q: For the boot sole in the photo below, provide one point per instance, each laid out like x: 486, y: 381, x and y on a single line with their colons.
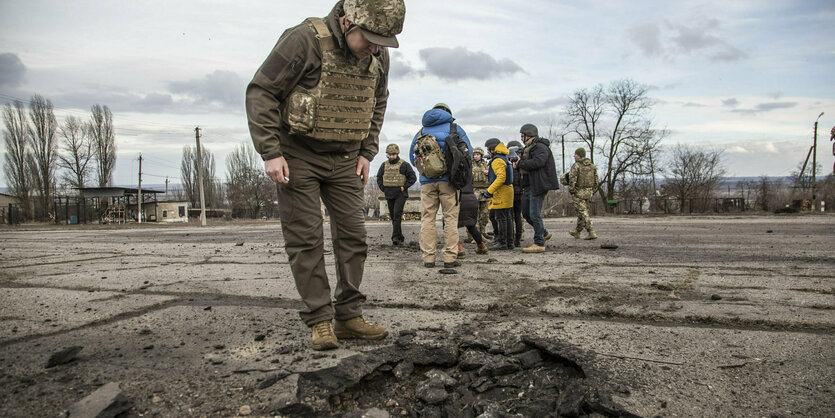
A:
x: 330, y: 345
x: 351, y: 335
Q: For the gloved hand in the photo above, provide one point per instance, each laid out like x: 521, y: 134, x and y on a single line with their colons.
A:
x: 485, y: 194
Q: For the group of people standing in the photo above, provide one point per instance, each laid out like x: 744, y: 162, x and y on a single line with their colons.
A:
x: 315, y: 109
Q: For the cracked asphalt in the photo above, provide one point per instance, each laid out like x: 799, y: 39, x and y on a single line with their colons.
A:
x: 689, y: 316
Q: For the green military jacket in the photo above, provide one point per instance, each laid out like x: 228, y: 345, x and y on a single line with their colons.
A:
x: 296, y: 60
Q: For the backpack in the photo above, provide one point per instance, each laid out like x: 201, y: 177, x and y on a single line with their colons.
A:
x: 459, y: 162
x: 429, y: 158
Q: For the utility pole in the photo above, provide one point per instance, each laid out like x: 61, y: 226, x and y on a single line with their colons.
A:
x: 814, y: 162
x: 200, y: 177
x: 166, y: 188
x: 563, y: 153
x: 139, y: 193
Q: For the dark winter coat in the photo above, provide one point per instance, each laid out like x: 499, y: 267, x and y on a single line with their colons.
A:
x: 539, y: 172
x: 468, y: 211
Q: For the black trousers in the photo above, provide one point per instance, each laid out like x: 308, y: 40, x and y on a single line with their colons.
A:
x: 504, y: 226
x: 517, y: 216
x: 396, y: 214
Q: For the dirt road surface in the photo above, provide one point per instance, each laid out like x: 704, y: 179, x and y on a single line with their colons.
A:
x: 688, y: 316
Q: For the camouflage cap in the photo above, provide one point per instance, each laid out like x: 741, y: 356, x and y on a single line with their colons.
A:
x: 478, y: 150
x: 392, y: 149
x: 379, y: 20
x: 581, y: 152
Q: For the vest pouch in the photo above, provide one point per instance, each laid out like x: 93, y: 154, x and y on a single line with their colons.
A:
x: 301, y: 113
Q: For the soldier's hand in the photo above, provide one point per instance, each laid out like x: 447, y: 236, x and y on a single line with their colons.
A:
x: 362, y: 168
x: 277, y: 170
x: 485, y: 194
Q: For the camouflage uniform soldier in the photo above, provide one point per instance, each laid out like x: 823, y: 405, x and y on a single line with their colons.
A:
x: 394, y: 178
x: 315, y: 110
x: 582, y: 182
x: 480, y: 184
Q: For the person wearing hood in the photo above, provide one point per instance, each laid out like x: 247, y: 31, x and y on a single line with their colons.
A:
x: 582, y: 182
x: 518, y: 223
x: 315, y: 108
x: 500, y: 192
x: 438, y: 192
x: 539, y: 175
x: 394, y: 178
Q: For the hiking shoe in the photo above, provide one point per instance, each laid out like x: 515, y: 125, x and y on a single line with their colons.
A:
x: 534, y: 249
x: 497, y: 246
x: 481, y: 249
x: 323, y: 336
x: 452, y: 264
x: 548, y: 236
x: 574, y: 234
x: 591, y: 235
x: 461, y: 253
x: 358, y: 327
x: 429, y: 265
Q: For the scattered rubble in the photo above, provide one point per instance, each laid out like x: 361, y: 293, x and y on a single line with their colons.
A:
x: 64, y: 356
x: 106, y: 402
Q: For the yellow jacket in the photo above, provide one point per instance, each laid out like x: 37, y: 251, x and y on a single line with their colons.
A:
x: 502, y: 193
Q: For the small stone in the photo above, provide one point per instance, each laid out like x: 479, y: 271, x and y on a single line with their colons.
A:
x: 208, y: 308
x: 239, y: 244
x: 156, y: 399
x: 715, y: 297
x: 609, y: 247
x: 244, y: 411
x: 448, y: 271
x: 64, y: 356
x: 260, y: 337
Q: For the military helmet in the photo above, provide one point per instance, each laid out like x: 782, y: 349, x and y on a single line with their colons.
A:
x: 492, y: 143
x: 478, y: 150
x: 443, y: 107
x: 379, y: 20
x: 392, y: 149
x: 529, y: 129
x: 516, y: 144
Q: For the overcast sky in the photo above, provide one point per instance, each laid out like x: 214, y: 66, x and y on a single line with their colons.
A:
x: 747, y: 77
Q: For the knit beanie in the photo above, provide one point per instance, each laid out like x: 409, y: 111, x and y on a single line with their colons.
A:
x: 581, y: 152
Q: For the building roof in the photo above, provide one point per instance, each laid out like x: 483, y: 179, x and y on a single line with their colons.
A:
x: 113, y: 191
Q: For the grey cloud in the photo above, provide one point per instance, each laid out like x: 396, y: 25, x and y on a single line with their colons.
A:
x: 648, y: 38
x: 691, y: 104
x: 670, y: 86
x: 12, y: 70
x: 776, y: 95
x: 224, y: 88
x: 673, y: 39
x: 732, y: 102
x: 459, y: 64
x: 510, y: 108
x: 766, y: 107
x: 400, y: 68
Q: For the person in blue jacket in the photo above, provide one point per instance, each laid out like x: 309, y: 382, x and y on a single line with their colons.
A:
x: 438, y: 192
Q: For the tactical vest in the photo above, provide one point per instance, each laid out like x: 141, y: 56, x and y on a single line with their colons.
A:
x: 479, y: 178
x: 585, y: 175
x: 392, y: 176
x: 340, y: 107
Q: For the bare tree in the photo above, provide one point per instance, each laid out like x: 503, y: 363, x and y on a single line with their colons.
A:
x: 104, y: 144
x: 583, y: 115
x: 615, y: 124
x: 692, y: 172
x: 189, y: 177
x: 631, y: 139
x: 78, y: 151
x: 803, y: 180
x: 248, y: 188
x: 764, y: 193
x: 44, y: 149
x: 19, y: 158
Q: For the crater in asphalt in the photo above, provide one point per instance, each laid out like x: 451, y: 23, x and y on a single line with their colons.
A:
x: 432, y: 374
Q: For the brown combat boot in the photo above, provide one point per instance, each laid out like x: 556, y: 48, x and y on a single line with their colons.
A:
x: 591, y: 235
x: 575, y: 234
x: 534, y: 249
x: 358, y: 328
x: 461, y: 253
x: 323, y: 337
x: 481, y: 248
